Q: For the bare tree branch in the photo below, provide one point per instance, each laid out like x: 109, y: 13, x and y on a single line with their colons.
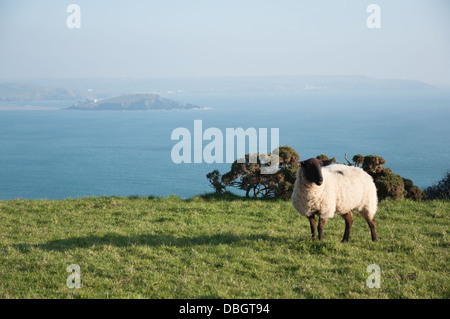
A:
x: 347, y: 159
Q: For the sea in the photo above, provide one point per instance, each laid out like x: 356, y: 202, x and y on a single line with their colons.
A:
x: 47, y: 152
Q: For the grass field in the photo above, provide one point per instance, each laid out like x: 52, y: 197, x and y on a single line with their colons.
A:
x: 217, y: 247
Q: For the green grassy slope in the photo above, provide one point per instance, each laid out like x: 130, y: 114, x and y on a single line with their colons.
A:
x: 217, y: 247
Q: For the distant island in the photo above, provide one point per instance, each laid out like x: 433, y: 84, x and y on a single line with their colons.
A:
x: 133, y: 102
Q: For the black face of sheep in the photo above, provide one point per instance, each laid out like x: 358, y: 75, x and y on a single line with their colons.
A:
x: 313, y: 169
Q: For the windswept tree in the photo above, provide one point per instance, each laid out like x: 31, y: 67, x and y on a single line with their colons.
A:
x: 215, y: 180
x: 246, y: 175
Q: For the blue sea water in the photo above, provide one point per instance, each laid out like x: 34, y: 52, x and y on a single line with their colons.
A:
x: 60, y: 153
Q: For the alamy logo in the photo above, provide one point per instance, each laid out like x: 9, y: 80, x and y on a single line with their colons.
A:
x: 373, y: 20
x: 74, y: 279
x: 374, y: 280
x: 73, y: 21
x: 213, y: 152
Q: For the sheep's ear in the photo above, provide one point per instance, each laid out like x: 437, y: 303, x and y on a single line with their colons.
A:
x: 300, y: 163
x: 326, y: 162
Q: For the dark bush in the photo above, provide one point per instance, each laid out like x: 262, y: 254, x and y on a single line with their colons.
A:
x: 323, y: 157
x: 416, y: 193
x: 408, y: 183
x: 389, y: 185
x: 441, y: 190
x: 413, y: 191
x: 373, y: 165
x: 358, y: 159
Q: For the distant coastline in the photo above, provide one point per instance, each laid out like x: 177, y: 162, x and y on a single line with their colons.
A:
x: 29, y: 108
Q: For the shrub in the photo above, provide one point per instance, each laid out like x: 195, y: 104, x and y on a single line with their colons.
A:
x: 390, y: 185
x: 373, y: 165
x: 413, y: 191
x: 323, y: 157
x: 441, y: 190
x: 358, y: 159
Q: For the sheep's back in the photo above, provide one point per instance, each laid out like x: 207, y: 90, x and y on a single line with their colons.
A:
x: 354, y: 189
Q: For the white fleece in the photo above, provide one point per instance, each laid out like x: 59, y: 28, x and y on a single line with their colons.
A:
x: 344, y: 189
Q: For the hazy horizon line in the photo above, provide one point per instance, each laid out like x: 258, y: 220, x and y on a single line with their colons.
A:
x: 219, y: 77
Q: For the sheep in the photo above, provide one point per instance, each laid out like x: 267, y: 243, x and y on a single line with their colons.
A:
x: 334, y: 190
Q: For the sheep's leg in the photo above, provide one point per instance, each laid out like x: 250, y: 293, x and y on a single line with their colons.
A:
x: 372, y: 229
x: 322, y: 222
x: 312, y: 224
x: 348, y: 226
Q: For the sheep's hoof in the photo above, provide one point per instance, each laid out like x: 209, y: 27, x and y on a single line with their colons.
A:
x: 344, y: 241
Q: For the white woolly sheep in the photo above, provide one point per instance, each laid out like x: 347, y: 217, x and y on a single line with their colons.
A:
x: 334, y: 190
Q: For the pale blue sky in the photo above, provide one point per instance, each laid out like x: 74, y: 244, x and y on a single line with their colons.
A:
x: 193, y: 38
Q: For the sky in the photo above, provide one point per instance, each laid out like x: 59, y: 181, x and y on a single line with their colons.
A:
x: 216, y: 38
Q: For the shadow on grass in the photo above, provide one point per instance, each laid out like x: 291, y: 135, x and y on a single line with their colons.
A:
x: 145, y: 240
